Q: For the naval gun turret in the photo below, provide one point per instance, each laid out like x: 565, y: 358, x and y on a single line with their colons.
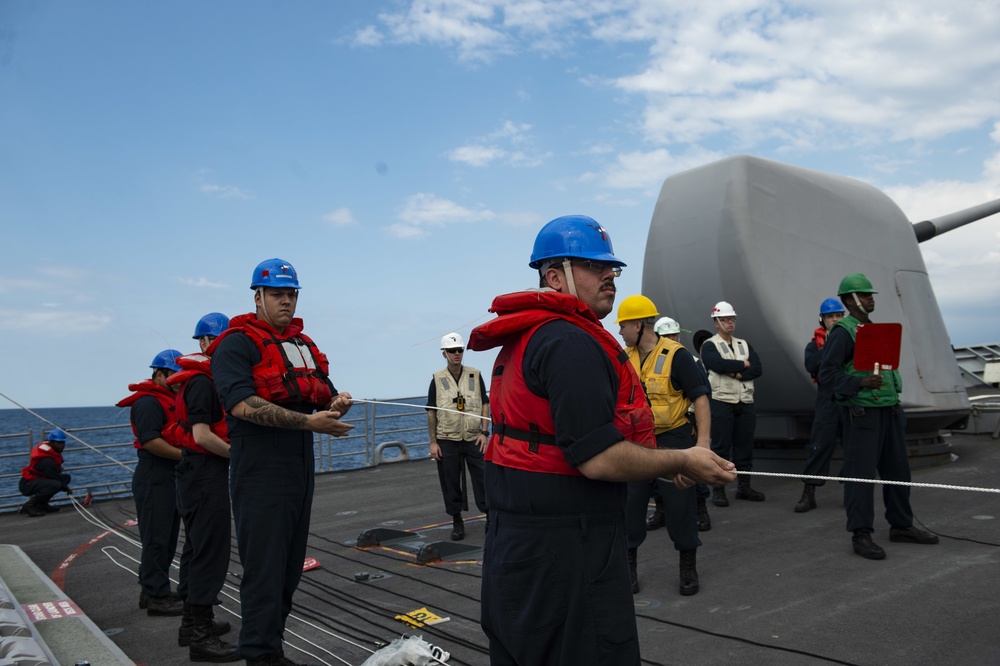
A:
x: 775, y: 240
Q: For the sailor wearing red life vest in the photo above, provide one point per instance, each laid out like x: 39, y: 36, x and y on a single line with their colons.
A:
x: 153, y: 489
x: 570, y: 426
x: 43, y: 477
x: 274, y: 385
x: 203, y: 496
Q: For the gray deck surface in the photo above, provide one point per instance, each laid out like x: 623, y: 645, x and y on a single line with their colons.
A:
x: 776, y: 587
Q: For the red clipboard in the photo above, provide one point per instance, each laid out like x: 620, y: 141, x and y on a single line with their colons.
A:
x: 877, y: 343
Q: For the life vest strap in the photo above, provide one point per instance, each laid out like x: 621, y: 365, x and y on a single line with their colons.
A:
x: 533, y: 437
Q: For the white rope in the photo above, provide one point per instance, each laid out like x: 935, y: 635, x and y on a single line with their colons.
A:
x: 406, y: 404
x: 42, y: 418
x: 886, y: 482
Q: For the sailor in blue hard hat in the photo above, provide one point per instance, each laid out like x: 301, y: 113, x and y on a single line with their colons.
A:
x: 273, y: 382
x: 43, y: 477
x: 152, y: 415
x: 826, y: 420
x: 209, y: 328
x: 571, y: 425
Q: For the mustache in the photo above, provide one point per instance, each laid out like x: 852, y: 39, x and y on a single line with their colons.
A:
x: 609, y: 283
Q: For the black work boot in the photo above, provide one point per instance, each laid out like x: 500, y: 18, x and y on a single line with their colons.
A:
x: 808, y: 500
x: 632, y: 569
x: 719, y: 496
x: 167, y: 605
x: 655, y: 521
x: 865, y: 547
x: 33, y: 508
x: 458, y: 528
x: 184, y: 634
x: 745, y: 492
x: 205, y: 643
x: 689, y: 572
x: 704, y: 521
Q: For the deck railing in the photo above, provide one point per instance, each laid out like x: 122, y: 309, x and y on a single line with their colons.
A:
x: 382, y: 433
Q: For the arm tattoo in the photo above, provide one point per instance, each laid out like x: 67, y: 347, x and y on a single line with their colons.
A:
x: 269, y: 414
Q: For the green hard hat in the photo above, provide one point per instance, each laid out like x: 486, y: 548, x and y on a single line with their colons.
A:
x: 856, y: 283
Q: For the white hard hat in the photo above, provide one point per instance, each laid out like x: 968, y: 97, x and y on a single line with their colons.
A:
x: 451, y: 341
x: 723, y: 309
x: 666, y: 326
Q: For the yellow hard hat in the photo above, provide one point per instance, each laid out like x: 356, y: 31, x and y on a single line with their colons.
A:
x: 636, y: 307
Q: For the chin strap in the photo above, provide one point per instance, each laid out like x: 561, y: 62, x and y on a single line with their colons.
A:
x: 568, y: 270
x: 263, y: 307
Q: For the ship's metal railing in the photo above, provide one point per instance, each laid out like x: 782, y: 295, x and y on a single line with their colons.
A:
x: 382, y: 434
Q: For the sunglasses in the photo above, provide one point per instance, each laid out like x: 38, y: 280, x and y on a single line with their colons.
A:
x: 455, y: 350
x: 598, y: 266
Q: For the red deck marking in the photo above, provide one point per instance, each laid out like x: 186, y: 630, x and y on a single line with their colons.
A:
x: 59, y: 575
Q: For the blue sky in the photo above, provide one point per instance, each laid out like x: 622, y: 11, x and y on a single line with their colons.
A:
x: 402, y: 156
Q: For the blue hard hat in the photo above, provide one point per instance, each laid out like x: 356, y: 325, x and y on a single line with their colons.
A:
x: 831, y: 305
x: 275, y: 273
x: 57, y: 435
x: 576, y: 236
x: 214, y: 323
x: 166, y: 360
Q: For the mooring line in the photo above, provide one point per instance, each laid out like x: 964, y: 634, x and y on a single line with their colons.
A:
x: 45, y: 420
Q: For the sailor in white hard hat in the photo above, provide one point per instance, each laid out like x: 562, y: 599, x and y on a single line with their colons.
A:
x: 458, y: 430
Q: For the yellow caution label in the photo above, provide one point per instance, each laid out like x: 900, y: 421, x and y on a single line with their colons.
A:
x: 420, y: 617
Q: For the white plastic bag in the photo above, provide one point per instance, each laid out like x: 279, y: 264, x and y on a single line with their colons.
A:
x: 408, y: 651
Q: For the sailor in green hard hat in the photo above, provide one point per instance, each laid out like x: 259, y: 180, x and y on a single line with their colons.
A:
x: 874, y: 436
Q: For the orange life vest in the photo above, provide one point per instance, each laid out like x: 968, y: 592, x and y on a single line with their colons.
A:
x: 165, y: 397
x: 43, y: 450
x: 192, y: 365
x: 292, y: 369
x: 523, y: 431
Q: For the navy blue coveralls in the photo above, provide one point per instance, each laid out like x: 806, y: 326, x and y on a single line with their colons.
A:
x: 203, y: 500
x: 155, y: 493
x: 826, y: 420
x: 271, y: 485
x: 874, y: 439
x: 556, y: 587
x: 733, y: 424
x: 680, y: 507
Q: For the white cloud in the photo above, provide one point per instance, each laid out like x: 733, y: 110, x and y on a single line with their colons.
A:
x: 202, y: 283
x: 367, y: 36
x: 511, y: 143
x: 225, y: 191
x: 476, y: 156
x: 646, y: 170
x: 341, y: 217
x: 55, y: 322
x: 422, y: 211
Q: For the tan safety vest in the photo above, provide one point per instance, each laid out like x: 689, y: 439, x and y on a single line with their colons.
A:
x: 726, y: 388
x: 463, y: 396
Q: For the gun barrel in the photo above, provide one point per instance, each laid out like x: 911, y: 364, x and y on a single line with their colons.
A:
x: 939, y: 225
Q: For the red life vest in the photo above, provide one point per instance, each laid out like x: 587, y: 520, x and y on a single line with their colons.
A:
x: 819, y: 337
x: 192, y: 365
x: 292, y: 369
x: 523, y: 430
x: 165, y: 397
x: 43, y: 450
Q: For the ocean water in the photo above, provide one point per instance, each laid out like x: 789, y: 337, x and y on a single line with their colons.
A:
x: 99, y: 454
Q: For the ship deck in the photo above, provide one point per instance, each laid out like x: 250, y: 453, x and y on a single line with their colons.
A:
x: 776, y: 587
